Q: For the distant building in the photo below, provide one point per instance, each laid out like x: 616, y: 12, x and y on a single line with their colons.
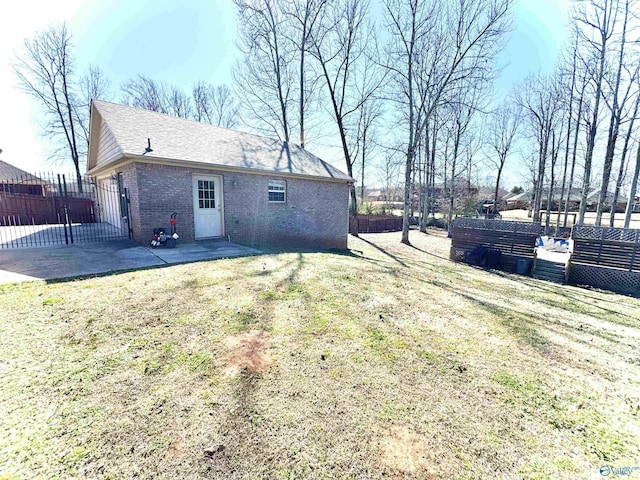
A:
x: 524, y: 199
x: 16, y: 181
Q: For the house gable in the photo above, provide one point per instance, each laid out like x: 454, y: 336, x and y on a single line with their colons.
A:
x: 103, y: 146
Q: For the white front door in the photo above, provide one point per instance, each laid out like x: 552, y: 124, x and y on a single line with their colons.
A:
x: 207, y: 206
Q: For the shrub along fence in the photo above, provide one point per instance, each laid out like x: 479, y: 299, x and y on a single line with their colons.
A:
x: 377, y: 223
x: 515, y: 240
x: 606, y: 257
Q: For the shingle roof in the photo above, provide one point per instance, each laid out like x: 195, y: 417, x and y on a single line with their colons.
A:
x: 575, y: 196
x: 191, y: 141
x: 10, y: 173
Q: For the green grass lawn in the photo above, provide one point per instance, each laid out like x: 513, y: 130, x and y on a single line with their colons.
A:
x: 388, y: 362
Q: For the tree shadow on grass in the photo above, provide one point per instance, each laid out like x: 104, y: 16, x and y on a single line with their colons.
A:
x: 525, y: 325
x: 241, y: 260
x: 429, y: 253
x: 237, y: 432
x: 565, y: 293
x: 519, y: 323
x: 385, y: 252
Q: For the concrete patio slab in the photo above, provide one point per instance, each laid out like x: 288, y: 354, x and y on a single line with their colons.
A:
x: 57, y: 262
x: 202, y: 250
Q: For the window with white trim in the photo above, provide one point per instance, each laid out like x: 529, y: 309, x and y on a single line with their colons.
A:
x: 277, y: 191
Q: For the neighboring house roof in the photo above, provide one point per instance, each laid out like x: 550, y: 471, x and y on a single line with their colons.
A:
x: 12, y: 174
x: 575, y: 196
x: 489, y: 192
x: 520, y: 197
x: 594, y: 196
x: 182, y: 140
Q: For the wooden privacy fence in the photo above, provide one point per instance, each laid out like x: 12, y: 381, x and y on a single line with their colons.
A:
x: 514, y: 239
x: 606, y: 257
x: 377, y: 223
x: 19, y: 209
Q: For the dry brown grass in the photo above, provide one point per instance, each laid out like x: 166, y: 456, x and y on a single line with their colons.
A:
x: 388, y: 362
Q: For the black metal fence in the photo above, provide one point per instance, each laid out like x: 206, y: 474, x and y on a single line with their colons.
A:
x: 47, y: 209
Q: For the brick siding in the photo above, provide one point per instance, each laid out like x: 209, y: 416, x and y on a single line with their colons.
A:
x: 315, y: 213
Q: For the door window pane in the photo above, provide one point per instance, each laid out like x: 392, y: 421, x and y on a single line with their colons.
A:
x: 206, y: 194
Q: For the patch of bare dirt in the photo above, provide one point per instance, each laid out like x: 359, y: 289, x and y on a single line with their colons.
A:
x: 404, y: 450
x: 248, y: 351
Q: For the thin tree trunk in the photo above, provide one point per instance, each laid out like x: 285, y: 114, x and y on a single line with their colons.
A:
x: 614, y: 125
x: 364, y: 146
x: 566, y: 152
x: 551, y: 183
x: 425, y: 188
x: 411, y: 145
x: 623, y: 157
x: 542, y: 165
x: 433, y: 165
x: 632, y: 191
x: 495, y: 195
x: 574, y: 155
x: 593, y: 127
x: 302, y: 85
x: 276, y: 64
x: 452, y: 188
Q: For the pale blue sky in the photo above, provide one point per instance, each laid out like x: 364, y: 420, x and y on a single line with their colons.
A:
x: 180, y: 42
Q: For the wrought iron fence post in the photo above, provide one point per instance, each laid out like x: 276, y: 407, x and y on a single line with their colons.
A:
x: 64, y: 209
x: 126, y: 199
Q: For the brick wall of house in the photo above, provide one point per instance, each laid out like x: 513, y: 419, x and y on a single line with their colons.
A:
x: 314, y: 215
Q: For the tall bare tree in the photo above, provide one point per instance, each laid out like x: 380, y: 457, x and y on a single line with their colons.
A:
x: 46, y: 71
x: 145, y: 92
x: 615, y: 105
x: 632, y: 191
x: 368, y: 115
x: 225, y: 111
x: 339, y: 46
x: 503, y: 127
x: 540, y: 99
x: 266, y: 77
x: 93, y: 84
x: 201, y: 102
x: 461, y: 114
x: 435, y: 46
x: 582, y: 81
x: 597, y: 21
x: 178, y: 103
x: 570, y: 125
x: 215, y: 105
x: 305, y: 15
x: 627, y: 142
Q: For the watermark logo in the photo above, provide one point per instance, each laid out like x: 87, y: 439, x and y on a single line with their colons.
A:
x: 608, y: 470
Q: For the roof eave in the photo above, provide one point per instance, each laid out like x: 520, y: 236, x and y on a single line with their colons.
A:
x: 190, y: 163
